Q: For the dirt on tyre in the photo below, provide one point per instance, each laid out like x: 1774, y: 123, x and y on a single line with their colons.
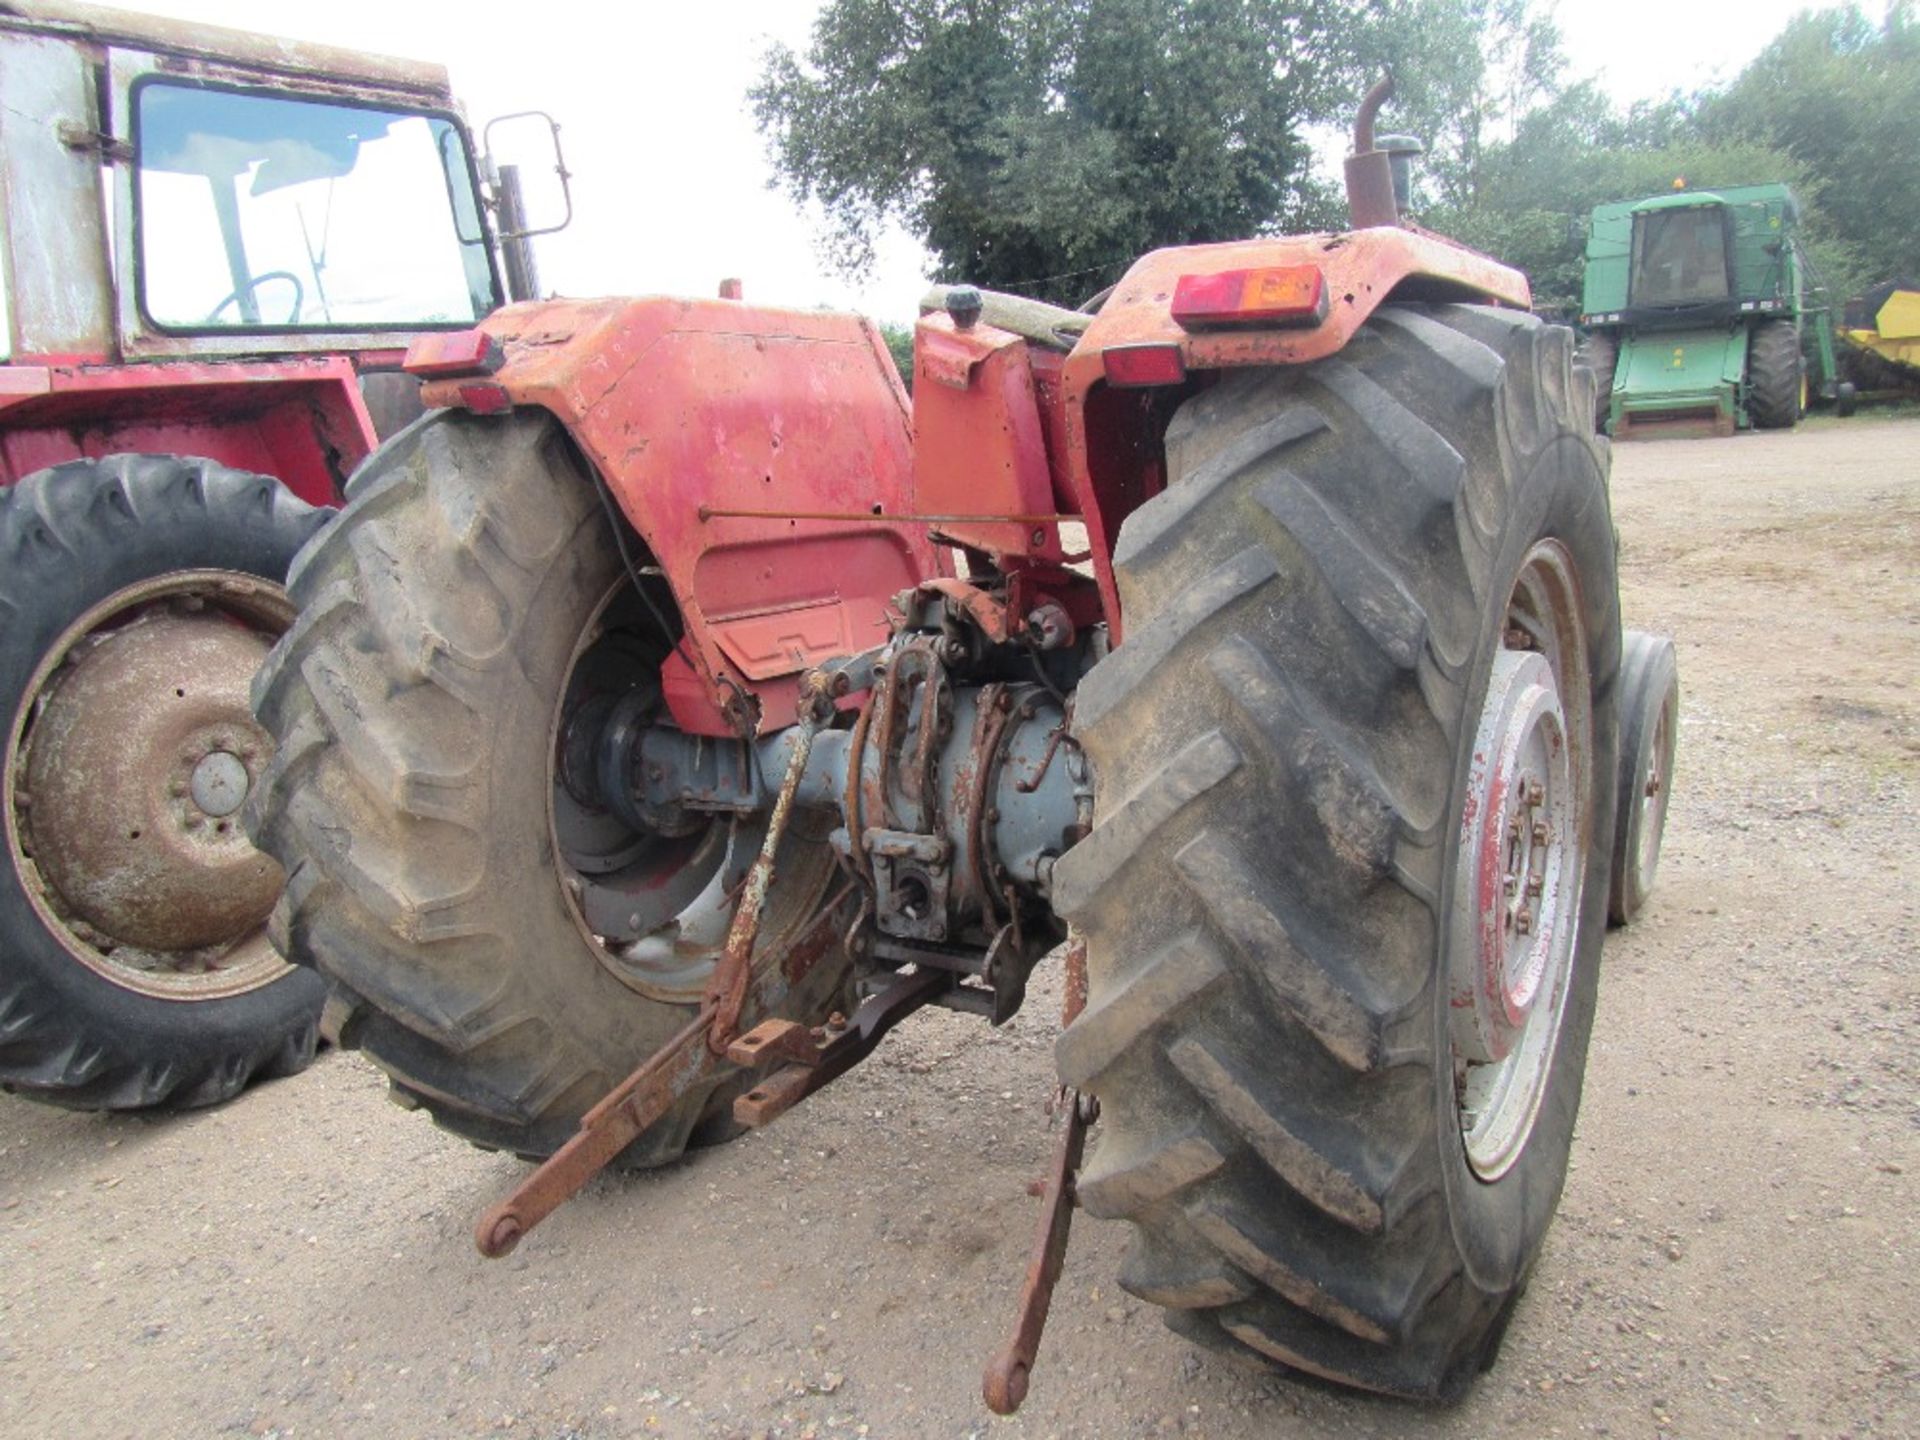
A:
x: 1649, y: 735
x: 138, y: 595
x: 1601, y: 355
x: 1347, y: 883
x: 1776, y: 375
x: 503, y: 944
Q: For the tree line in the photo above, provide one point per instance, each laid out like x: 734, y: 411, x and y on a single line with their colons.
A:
x: 1039, y: 146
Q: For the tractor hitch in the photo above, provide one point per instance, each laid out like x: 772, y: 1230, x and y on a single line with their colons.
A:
x: 1004, y: 1384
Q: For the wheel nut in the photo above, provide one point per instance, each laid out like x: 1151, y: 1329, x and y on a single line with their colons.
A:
x: 1523, y: 922
x: 1535, y: 792
x: 1540, y: 832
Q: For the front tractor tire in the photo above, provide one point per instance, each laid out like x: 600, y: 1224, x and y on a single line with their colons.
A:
x: 1776, y: 375
x: 503, y: 946
x: 1347, y: 883
x: 138, y: 595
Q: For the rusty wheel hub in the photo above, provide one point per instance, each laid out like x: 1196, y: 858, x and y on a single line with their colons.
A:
x: 133, y: 756
x: 1519, y: 879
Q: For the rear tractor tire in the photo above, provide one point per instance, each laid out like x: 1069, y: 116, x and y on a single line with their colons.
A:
x: 138, y: 595
x: 1776, y: 375
x: 506, y: 949
x: 1347, y: 883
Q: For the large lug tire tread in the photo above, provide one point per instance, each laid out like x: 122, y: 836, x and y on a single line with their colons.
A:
x: 411, y: 702
x: 1600, y: 354
x: 1649, y: 684
x: 1312, y: 606
x: 70, y: 537
x: 1774, y: 372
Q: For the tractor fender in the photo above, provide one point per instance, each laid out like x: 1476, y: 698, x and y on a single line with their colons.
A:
x: 758, y: 454
x: 1359, y: 270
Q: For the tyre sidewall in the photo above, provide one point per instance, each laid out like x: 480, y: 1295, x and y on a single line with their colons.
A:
x: 1649, y: 674
x: 1498, y: 1226
x: 47, y: 588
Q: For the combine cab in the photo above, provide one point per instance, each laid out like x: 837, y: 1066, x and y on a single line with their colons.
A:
x: 1700, y: 315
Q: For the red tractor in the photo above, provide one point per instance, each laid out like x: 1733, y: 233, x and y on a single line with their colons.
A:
x: 211, y: 245
x: 682, y: 703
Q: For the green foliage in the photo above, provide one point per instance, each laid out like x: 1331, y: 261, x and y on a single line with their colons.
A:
x: 1842, y: 97
x: 899, y: 340
x: 1041, y: 145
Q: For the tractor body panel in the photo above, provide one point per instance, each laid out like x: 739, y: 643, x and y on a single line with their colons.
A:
x: 302, y: 421
x: 1679, y: 377
x: 760, y: 454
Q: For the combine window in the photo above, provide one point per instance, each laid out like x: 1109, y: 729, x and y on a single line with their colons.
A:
x: 1679, y: 257
x: 259, y: 212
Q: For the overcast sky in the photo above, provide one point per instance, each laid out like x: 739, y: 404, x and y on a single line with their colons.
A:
x: 671, y: 177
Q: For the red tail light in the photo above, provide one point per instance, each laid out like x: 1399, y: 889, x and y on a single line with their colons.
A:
x: 1274, y: 295
x: 1153, y: 364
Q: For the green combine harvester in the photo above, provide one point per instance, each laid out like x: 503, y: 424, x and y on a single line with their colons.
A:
x: 1700, y: 314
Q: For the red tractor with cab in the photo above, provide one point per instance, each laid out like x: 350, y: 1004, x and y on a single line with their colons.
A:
x: 214, y: 251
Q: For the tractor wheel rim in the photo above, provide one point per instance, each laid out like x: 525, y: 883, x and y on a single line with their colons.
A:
x: 133, y: 749
x: 653, y: 908
x: 1525, y: 833
x: 1654, y: 787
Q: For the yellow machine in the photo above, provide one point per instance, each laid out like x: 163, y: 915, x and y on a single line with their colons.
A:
x: 1882, y: 332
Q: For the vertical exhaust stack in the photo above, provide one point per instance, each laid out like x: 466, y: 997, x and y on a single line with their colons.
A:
x: 1371, y: 199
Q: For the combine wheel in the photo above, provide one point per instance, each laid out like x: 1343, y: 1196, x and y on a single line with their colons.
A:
x: 1776, y: 375
x: 140, y: 594
x: 1649, y: 728
x: 1600, y: 355
x: 1347, y: 884
x: 505, y: 947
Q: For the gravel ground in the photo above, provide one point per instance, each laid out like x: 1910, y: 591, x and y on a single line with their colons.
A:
x: 1734, y: 1253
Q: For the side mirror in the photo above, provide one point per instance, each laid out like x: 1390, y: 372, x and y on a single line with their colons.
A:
x: 528, y: 175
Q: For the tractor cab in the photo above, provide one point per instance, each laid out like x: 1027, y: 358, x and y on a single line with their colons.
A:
x: 256, y: 211
x: 174, y: 190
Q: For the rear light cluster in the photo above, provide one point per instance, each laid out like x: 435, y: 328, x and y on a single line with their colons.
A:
x: 1274, y: 295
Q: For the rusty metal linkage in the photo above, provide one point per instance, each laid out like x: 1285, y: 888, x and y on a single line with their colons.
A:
x: 727, y: 988
x: 607, y: 1129
x: 1004, y: 1385
x: 840, y: 1049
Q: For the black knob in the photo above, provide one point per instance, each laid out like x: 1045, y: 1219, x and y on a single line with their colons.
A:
x: 964, y: 305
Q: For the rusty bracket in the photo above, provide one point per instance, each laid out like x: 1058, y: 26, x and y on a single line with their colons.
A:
x: 615, y: 1123
x: 842, y: 1049
x: 1004, y: 1385
x: 772, y: 1040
